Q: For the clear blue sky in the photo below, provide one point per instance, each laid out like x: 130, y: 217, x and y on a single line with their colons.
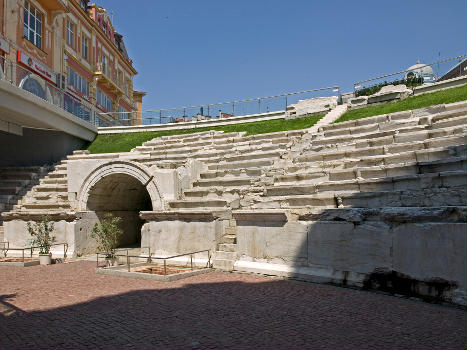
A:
x: 205, y: 51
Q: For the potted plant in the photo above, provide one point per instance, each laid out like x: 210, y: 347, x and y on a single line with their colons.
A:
x: 41, y: 231
x: 107, y: 235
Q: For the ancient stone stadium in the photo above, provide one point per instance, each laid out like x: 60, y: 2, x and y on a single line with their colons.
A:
x: 376, y: 203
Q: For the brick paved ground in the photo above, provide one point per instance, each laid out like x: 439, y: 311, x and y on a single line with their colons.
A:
x: 66, y: 306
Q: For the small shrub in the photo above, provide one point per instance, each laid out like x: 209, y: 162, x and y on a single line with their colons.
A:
x: 107, y: 234
x: 41, y: 231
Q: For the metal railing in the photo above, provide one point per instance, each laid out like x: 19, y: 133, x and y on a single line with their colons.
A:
x: 150, y: 258
x: 6, y: 247
x: 220, y: 110
x: 439, y: 69
x: 23, y: 78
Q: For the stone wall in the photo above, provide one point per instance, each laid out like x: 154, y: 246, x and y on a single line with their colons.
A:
x: 423, y: 248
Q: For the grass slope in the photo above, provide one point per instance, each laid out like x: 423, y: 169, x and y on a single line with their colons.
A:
x: 124, y: 142
x: 430, y: 99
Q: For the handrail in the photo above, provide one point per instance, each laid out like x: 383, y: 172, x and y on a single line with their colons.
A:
x: 334, y: 88
x: 5, y: 250
x: 358, y: 83
x: 208, y: 264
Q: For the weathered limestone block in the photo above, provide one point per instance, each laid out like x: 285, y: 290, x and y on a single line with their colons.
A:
x: 316, y: 105
x: 390, y: 92
x: 345, y: 246
x: 171, y: 237
x: 76, y: 233
x: 358, y: 101
x: 272, y: 242
x: 431, y: 251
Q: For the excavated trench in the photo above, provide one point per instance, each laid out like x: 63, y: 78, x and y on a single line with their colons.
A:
x: 123, y: 196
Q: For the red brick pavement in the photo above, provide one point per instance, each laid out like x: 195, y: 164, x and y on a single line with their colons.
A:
x: 67, y: 306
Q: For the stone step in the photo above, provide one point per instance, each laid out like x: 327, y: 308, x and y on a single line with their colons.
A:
x: 9, y: 190
x: 46, y: 196
x: 276, y: 135
x: 14, y: 175
x: 427, y: 197
x: 28, y: 169
x: 229, y: 239
x: 50, y: 188
x: 14, y: 182
x: 224, y: 255
x: 378, y: 171
x: 223, y: 264
x: 411, y: 131
x: 228, y: 247
x: 443, y: 179
x: 441, y: 111
x: 60, y: 167
x: 7, y: 198
x: 420, y: 147
x: 224, y: 182
x: 57, y: 174
x: 228, y: 194
x: 46, y: 205
x: 384, y: 126
x: 255, y: 163
x: 54, y: 180
x: 197, y: 203
x: 232, y: 173
x: 445, y: 123
x: 454, y: 113
x: 253, y: 156
x: 379, y: 141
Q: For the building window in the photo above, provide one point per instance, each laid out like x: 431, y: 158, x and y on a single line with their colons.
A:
x: 32, y: 24
x: 123, y: 114
x: 77, y: 81
x: 104, y: 64
x: 85, y: 47
x: 83, y: 5
x: 70, y: 33
x: 120, y: 78
x: 127, y: 86
x: 103, y: 100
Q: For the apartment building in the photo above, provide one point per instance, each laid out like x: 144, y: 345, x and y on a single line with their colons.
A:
x: 68, y: 52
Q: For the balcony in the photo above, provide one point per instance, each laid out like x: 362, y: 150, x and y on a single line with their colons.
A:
x: 108, y: 78
x: 55, y: 5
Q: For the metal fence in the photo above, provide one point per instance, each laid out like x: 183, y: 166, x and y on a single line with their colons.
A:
x: 439, y: 69
x: 221, y: 110
x: 21, y: 77
x: 149, y: 258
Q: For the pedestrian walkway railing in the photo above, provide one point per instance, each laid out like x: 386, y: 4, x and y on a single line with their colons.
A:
x: 440, y: 68
x: 25, y: 251
x: 149, y: 258
x: 220, y: 110
x: 51, y: 90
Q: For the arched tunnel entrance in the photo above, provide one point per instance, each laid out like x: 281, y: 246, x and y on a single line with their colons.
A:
x: 124, y: 196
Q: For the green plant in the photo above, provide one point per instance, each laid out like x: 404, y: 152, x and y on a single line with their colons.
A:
x: 41, y: 231
x: 107, y: 234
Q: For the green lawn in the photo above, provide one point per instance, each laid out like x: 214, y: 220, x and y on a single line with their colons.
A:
x: 434, y: 98
x: 124, y: 142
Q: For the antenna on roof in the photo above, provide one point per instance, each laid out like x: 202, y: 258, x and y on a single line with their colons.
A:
x: 112, y: 13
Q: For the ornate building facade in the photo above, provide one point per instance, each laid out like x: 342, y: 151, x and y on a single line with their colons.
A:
x: 68, y: 52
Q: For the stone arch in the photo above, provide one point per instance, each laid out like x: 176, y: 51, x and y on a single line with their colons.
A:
x: 124, y: 189
x: 132, y: 169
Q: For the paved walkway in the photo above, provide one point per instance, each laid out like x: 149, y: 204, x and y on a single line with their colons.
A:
x: 66, y: 306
